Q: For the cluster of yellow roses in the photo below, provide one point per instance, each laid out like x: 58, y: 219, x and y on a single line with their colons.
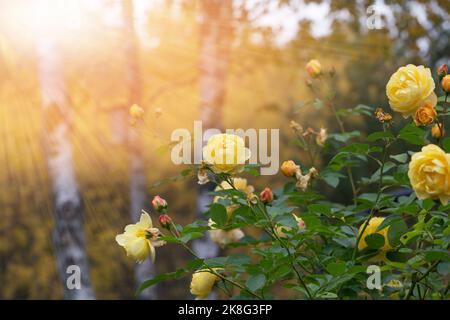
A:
x: 410, y: 91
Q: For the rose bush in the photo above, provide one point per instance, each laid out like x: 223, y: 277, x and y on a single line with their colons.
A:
x: 295, y: 239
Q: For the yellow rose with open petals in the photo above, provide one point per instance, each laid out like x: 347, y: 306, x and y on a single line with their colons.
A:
x: 202, y: 283
x: 429, y: 173
x: 226, y: 153
x: 409, y: 88
x: 139, y: 240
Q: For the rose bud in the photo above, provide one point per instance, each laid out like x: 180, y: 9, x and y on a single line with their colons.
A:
x: 266, y: 196
x: 289, y: 168
x: 313, y: 68
x: 136, y: 112
x: 445, y: 83
x: 165, y: 221
x: 159, y: 204
x: 442, y: 71
x: 437, y: 130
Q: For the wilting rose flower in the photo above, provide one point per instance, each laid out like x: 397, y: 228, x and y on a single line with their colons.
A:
x: 226, y: 153
x: 202, y: 283
x: 139, y: 240
x: 445, y: 83
x: 322, y: 137
x: 425, y: 115
x: 266, y: 195
x: 429, y: 173
x: 437, y: 131
x: 409, y: 88
x: 382, y: 116
x: 313, y: 68
x: 240, y: 184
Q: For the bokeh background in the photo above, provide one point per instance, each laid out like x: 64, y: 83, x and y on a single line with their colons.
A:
x: 175, y: 58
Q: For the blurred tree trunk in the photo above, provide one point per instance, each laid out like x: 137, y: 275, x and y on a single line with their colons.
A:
x: 215, y: 41
x: 138, y: 186
x: 68, y: 237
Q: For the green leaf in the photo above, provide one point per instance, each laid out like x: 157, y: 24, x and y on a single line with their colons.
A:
x: 413, y: 135
x: 379, y: 135
x: 256, y: 282
x: 218, y: 214
x: 433, y: 255
x: 402, y: 157
x: 336, y: 268
x: 396, y: 231
x: 443, y: 268
x: 374, y: 240
x: 446, y: 144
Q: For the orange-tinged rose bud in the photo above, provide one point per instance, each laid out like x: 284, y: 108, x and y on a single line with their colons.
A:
x: 159, y: 204
x: 425, y: 115
x: 445, y: 83
x: 266, y: 195
x: 313, y: 68
x: 165, y: 221
x: 437, y: 131
x: 442, y: 71
x: 136, y: 112
x: 289, y: 168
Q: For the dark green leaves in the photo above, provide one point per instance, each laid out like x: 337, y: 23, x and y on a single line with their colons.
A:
x: 256, y: 282
x: 374, y: 241
x: 218, y: 214
x: 413, y: 134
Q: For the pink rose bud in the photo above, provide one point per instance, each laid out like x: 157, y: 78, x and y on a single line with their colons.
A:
x: 159, y: 204
x: 442, y: 71
x: 165, y: 221
x: 266, y: 196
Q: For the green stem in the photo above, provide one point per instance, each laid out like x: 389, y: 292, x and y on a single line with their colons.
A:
x: 372, y: 210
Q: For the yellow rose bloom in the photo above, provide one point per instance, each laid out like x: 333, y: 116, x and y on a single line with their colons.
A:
x: 226, y: 153
x: 429, y: 173
x: 408, y: 89
x: 313, y: 68
x: 139, y: 240
x: 224, y: 237
x: 425, y: 114
x: 202, y: 283
x: 374, y: 223
x: 445, y: 83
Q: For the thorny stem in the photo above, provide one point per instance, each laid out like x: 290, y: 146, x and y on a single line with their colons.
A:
x: 291, y: 259
x: 349, y: 169
x: 372, y: 210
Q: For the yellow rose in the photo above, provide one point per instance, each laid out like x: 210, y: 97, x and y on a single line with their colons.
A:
x: 408, y: 89
x: 425, y: 114
x: 313, y: 68
x: 374, y: 223
x: 226, y: 153
x: 202, y: 283
x: 224, y: 237
x: 289, y: 168
x: 140, y: 239
x: 429, y: 173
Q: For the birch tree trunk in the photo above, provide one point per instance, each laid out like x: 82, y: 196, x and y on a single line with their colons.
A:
x: 215, y: 38
x: 68, y: 236
x: 145, y: 270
